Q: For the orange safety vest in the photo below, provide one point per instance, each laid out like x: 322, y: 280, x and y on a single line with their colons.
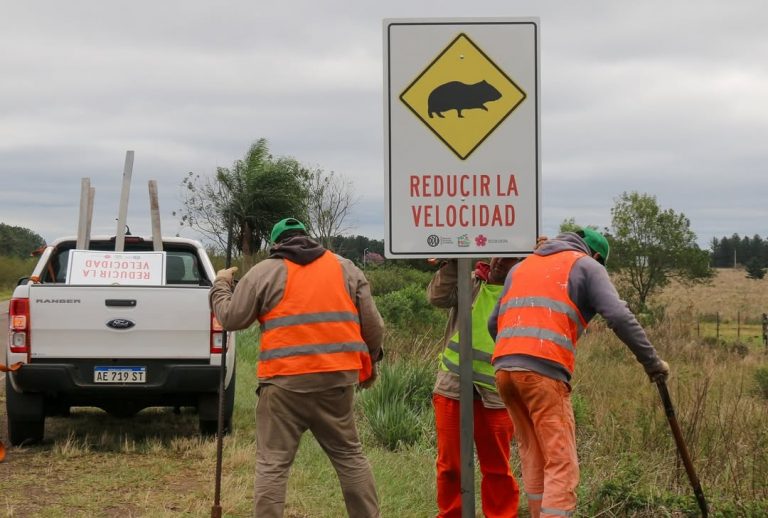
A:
x: 536, y: 315
x: 316, y: 325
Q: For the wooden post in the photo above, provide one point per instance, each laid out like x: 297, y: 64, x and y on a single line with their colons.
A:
x: 154, y: 212
x: 83, y: 224
x: 718, y: 326
x: 123, y: 212
x: 698, y: 326
x: 91, y: 196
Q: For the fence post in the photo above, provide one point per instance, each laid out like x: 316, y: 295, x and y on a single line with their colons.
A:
x: 718, y: 326
x: 698, y: 326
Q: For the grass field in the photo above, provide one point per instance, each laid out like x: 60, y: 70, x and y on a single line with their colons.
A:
x: 156, y: 465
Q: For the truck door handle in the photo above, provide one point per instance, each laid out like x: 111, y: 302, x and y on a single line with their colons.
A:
x: 125, y: 303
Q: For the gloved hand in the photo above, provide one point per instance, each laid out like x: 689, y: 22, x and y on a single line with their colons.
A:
x: 227, y: 274
x: 659, y: 370
x: 370, y: 381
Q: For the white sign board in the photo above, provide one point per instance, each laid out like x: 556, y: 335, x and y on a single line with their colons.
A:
x: 462, y: 160
x: 126, y: 268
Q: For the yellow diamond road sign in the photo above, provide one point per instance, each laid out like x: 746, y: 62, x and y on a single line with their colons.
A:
x: 462, y: 96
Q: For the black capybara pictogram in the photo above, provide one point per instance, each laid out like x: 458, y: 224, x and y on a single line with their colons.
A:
x: 458, y: 96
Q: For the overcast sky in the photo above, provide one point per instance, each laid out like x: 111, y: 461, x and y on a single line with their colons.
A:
x: 665, y: 98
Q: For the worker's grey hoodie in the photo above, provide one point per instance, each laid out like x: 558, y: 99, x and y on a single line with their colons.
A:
x: 591, y: 289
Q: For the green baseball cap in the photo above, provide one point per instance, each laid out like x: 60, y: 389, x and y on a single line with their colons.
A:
x: 597, y: 242
x: 286, y: 224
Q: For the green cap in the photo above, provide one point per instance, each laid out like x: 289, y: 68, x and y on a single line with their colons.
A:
x: 597, y: 242
x: 284, y: 225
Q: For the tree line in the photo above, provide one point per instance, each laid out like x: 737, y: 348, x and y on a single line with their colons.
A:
x: 18, y: 241
x: 730, y: 252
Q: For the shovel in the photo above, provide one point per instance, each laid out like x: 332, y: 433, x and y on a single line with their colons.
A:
x: 681, y: 448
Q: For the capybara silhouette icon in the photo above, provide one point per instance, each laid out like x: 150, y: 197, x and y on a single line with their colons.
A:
x: 459, y: 96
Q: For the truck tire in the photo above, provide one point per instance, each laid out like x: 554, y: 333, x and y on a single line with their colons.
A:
x: 208, y: 410
x: 26, y: 416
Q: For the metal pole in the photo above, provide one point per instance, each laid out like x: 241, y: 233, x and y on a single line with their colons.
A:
x: 216, y: 509
x: 681, y: 448
x: 466, y: 389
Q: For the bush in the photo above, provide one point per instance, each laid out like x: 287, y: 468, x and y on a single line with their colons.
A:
x: 391, y: 278
x: 398, y: 406
x: 408, y: 308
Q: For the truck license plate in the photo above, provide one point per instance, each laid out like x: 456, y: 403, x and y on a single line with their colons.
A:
x: 119, y: 374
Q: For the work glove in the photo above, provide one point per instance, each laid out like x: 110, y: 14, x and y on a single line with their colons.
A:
x: 227, y: 274
x: 370, y: 381
x: 658, y: 371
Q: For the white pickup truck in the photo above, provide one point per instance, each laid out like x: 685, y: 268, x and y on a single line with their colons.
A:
x: 115, y: 345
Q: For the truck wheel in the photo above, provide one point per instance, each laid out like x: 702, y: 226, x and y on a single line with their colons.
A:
x: 26, y: 416
x: 208, y: 409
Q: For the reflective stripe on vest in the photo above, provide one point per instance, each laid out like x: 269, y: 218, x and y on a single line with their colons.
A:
x: 482, y: 343
x: 536, y: 315
x: 315, y: 327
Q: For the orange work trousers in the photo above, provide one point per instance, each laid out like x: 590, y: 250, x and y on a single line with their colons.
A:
x: 545, y: 431
x: 493, y: 432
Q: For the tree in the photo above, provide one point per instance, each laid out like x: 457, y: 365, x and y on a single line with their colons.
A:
x: 251, y: 196
x: 569, y: 225
x: 18, y: 241
x: 650, y: 247
x: 755, y: 269
x: 329, y: 202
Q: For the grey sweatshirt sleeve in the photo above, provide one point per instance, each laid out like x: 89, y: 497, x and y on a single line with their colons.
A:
x: 493, y: 320
x: 599, y: 295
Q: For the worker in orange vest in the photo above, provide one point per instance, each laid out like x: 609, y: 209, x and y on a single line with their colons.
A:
x: 547, y: 301
x: 321, y: 335
x: 493, y: 429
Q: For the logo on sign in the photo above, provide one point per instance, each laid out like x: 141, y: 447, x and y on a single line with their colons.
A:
x: 433, y: 240
x: 462, y: 96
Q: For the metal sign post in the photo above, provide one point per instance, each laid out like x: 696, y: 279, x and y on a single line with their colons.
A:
x: 466, y: 396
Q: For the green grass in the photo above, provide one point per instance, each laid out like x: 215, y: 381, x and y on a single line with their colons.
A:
x: 156, y: 464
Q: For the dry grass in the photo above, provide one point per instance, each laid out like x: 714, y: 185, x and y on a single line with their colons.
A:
x: 729, y: 292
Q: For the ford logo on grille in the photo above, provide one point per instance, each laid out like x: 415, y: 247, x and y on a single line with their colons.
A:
x: 120, y: 323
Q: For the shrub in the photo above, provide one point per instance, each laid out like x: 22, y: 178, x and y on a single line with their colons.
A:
x: 397, y: 407
x: 761, y: 377
x: 408, y: 308
x: 391, y: 278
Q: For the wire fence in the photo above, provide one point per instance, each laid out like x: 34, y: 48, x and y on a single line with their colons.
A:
x: 742, y: 327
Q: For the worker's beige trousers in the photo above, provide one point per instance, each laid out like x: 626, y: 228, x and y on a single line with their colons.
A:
x: 282, y: 417
x: 540, y: 408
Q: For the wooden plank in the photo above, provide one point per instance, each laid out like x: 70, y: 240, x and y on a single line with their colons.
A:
x: 154, y: 212
x: 82, y: 225
x: 91, y: 196
x: 123, y: 211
